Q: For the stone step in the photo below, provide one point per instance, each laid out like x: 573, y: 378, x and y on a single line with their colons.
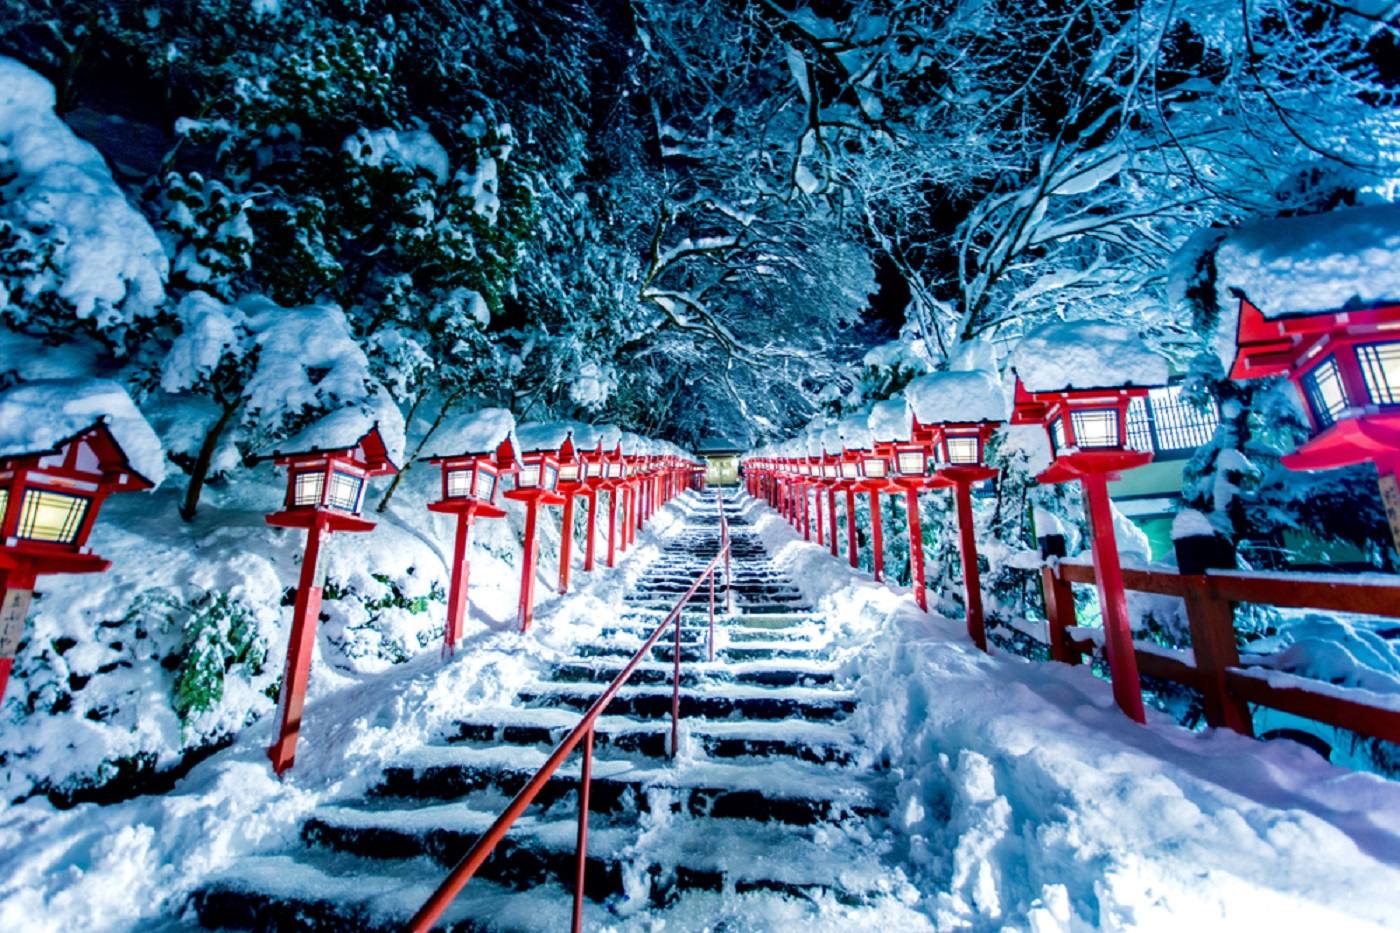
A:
x: 716, y: 702
x: 692, y: 675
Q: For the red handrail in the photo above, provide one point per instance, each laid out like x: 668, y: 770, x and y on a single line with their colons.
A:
x: 486, y: 843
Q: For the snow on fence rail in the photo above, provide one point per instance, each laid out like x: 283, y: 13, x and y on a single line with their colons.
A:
x: 1213, y: 666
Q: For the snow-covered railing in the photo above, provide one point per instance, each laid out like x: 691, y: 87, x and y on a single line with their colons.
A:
x: 486, y: 843
x: 1213, y: 666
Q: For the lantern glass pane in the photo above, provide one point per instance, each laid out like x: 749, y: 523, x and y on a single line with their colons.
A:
x: 615, y: 470
x: 1095, y: 427
x: 528, y: 477
x: 875, y: 467
x: 551, y: 476
x: 459, y: 483
x: 51, y: 516
x: 306, y: 488
x: 345, y: 491
x: 568, y: 472
x: 849, y: 469
x: 964, y: 450
x: 910, y: 462
x: 1057, y: 433
x: 4, y: 504
x: 1327, y: 397
x: 485, y: 485
x: 829, y: 470
x: 1380, y: 367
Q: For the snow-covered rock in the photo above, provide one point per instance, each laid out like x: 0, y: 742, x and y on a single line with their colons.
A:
x: 36, y: 416
x: 1086, y: 354
x: 58, y: 192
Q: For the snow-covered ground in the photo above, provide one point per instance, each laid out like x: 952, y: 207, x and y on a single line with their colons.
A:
x: 1025, y: 799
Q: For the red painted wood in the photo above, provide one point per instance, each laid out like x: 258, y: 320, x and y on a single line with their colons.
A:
x: 528, y: 558
x: 1333, y: 710
x: 916, y: 546
x: 972, y: 577
x: 566, y: 542
x: 457, y: 596
x: 1113, y: 604
x: 1059, y: 615
x: 612, y: 526
x: 831, y: 517
x: 305, y: 614
x: 877, y: 538
x: 851, y: 553
x: 590, y: 545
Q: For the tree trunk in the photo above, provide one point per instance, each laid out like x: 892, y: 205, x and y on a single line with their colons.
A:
x: 418, y: 448
x: 190, y: 505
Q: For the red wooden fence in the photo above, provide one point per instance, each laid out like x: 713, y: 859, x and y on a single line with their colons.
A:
x: 1215, y: 671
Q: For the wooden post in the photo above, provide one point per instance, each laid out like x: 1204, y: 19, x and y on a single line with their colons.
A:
x: 527, y: 570
x: 566, y: 542
x: 306, y: 613
x: 831, y: 509
x: 817, y: 503
x: 877, y: 538
x: 589, y: 545
x: 457, y: 597
x: 851, y: 554
x: 1113, y: 603
x: 1212, y: 621
x: 16, y: 593
x: 1059, y: 614
x: 612, y: 526
x: 916, y: 546
x: 972, y: 576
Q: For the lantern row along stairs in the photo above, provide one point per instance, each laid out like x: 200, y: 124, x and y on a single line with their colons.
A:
x: 772, y: 794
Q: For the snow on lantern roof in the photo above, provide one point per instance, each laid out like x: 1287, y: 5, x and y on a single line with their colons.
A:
x: 609, y: 434
x: 41, y: 416
x: 1337, y: 261
x: 479, y: 432
x: 544, y: 435
x: 855, y: 431
x: 633, y: 445
x: 811, y: 441
x: 344, y: 428
x: 891, y: 420
x: 1085, y: 354
x: 957, y: 396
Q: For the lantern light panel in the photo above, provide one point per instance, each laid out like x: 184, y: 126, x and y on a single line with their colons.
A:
x: 910, y: 462
x: 850, y: 469
x: 1326, y: 394
x: 963, y: 450
x: 306, y: 488
x: 346, y: 491
x: 49, y: 516
x: 874, y: 467
x: 568, y: 472
x: 1095, y: 428
x: 1380, y: 370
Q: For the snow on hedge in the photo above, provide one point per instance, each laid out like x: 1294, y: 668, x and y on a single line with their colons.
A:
x: 59, y: 193
x: 37, y: 416
x: 971, y: 395
x: 890, y: 420
x: 1086, y: 355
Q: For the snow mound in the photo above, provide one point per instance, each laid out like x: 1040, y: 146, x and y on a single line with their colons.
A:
x: 1086, y: 355
x: 547, y: 435
x: 480, y: 432
x: 57, y: 191
x: 967, y: 395
x: 344, y: 427
x: 1322, y: 262
x: 855, y: 432
x: 1190, y: 523
x: 890, y: 420
x: 37, y: 416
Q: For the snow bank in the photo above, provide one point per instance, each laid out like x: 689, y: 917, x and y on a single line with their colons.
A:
x: 970, y: 395
x: 58, y: 192
x: 414, y: 149
x: 480, y: 432
x: 36, y: 416
x: 1086, y: 355
x: 1026, y: 800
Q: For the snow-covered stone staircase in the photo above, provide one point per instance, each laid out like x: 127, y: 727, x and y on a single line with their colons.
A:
x: 772, y: 798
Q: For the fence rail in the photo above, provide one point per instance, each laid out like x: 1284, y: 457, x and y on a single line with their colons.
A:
x: 1213, y: 666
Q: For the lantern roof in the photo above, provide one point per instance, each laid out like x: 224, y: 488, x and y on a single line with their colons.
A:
x: 479, y: 433
x: 1270, y: 346
x: 1072, y: 356
x: 43, y: 416
x: 1341, y: 260
x: 376, y: 427
x: 550, y: 435
x: 957, y: 396
x: 831, y: 439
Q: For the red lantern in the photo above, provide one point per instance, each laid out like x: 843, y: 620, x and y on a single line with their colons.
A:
x: 960, y: 451
x: 471, y: 482
x: 572, y: 470
x: 325, y: 493
x: 1346, y: 367
x: 49, y: 500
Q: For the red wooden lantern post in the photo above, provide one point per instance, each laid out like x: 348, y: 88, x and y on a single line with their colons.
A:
x: 534, y: 484
x: 571, y: 482
x: 1346, y: 367
x: 910, y: 473
x: 470, y: 483
x: 959, y: 456
x: 613, y: 470
x: 49, y: 500
x: 594, y: 480
x: 1088, y: 431
x: 325, y: 493
x: 831, y: 476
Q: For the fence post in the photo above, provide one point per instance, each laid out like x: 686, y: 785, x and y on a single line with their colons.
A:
x: 1212, y: 622
x: 1059, y: 614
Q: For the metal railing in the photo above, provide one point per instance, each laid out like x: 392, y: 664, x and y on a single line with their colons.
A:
x: 486, y: 843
